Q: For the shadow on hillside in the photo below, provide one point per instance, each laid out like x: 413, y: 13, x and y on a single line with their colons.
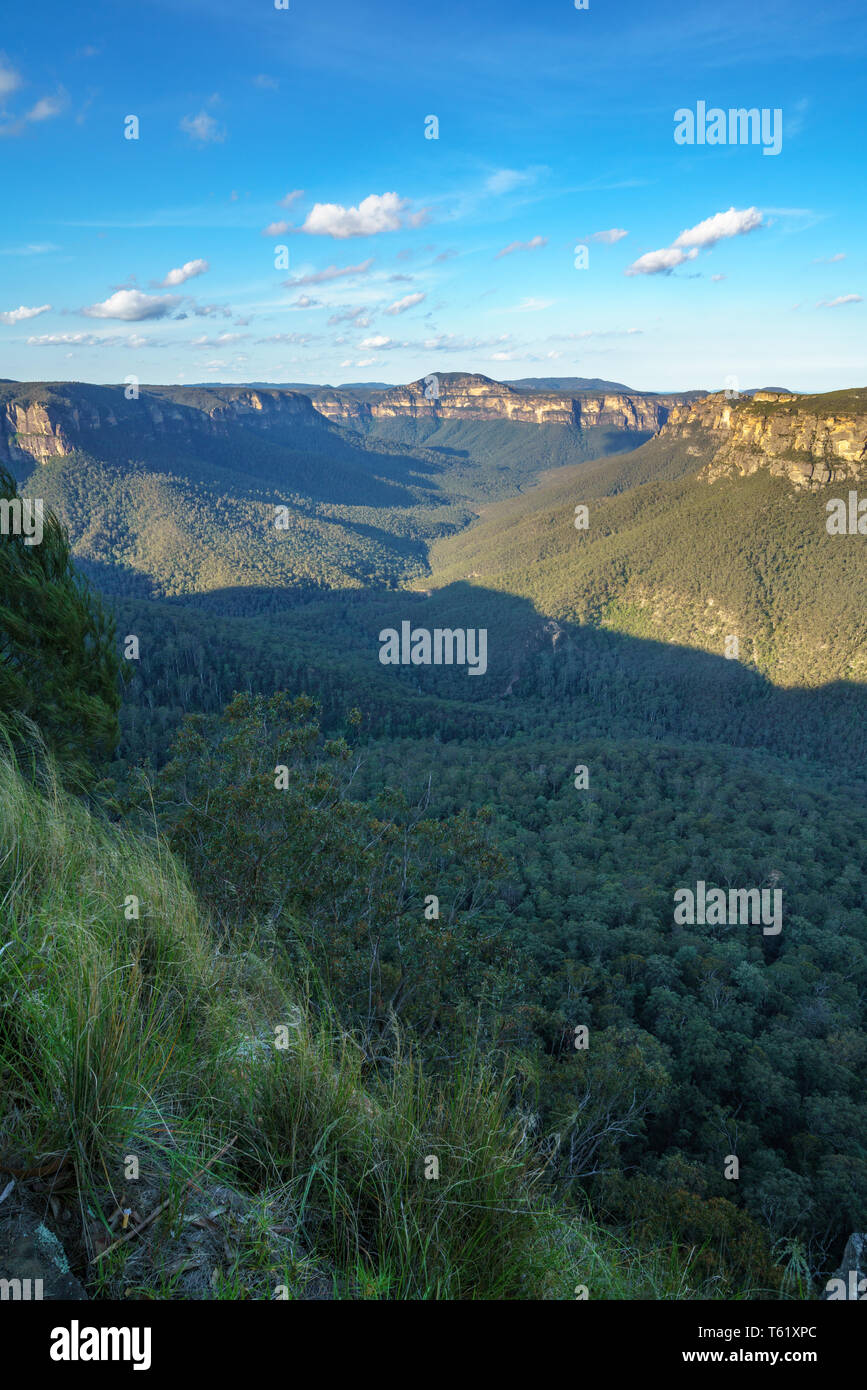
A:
x: 543, y: 677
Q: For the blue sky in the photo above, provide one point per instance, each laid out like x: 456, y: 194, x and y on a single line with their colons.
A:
x: 409, y: 255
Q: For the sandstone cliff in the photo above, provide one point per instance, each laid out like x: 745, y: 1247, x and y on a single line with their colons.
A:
x: 460, y: 396
x: 45, y: 421
x: 811, y: 440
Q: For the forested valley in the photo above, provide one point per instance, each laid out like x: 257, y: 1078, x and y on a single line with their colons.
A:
x: 549, y: 1028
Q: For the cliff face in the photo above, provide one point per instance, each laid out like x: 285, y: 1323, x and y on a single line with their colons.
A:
x: 55, y: 422
x: 465, y: 397
x: 811, y: 440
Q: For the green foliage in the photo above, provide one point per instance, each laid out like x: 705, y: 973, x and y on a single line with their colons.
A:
x: 682, y: 561
x: 260, y: 808
x: 59, y: 668
x: 453, y: 1037
x: 135, y: 1036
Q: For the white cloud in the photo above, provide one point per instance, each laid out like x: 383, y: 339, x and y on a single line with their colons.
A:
x: 264, y: 81
x: 357, y: 316
x: 208, y: 311
x: 830, y: 260
x: 220, y: 340
x: 19, y: 315
x: 735, y: 222
x: 132, y: 340
x: 34, y: 248
x: 188, y: 271
x: 715, y: 279
x: 332, y: 272
x: 276, y: 229
x: 133, y: 305
x: 531, y: 245
x: 47, y: 107
x: 377, y: 342
x: 379, y: 212
x: 505, y: 180
x: 10, y: 80
x: 400, y: 306
x: 65, y: 339
x: 841, y: 299
x: 613, y: 235
x: 305, y: 302
x: 660, y: 262
x: 204, y: 128
x: 300, y: 338
x: 43, y: 110
x: 291, y: 198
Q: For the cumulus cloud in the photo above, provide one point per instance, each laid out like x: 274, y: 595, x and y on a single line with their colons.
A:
x: 612, y: 235
x: 841, y: 299
x: 379, y: 212
x: 735, y: 222
x: 719, y: 227
x: 305, y: 302
x: 203, y: 128
x: 331, y: 272
x: 22, y: 313
x: 530, y: 245
x: 660, y: 262
x: 133, y: 306
x: 400, y: 306
x: 188, y: 271
x: 380, y: 341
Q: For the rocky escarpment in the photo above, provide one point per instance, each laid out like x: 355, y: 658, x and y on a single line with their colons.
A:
x: 45, y: 422
x: 811, y: 440
x: 457, y: 396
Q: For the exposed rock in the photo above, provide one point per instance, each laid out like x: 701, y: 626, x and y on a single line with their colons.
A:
x: 811, y: 440
x: 59, y: 421
x: 461, y: 396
